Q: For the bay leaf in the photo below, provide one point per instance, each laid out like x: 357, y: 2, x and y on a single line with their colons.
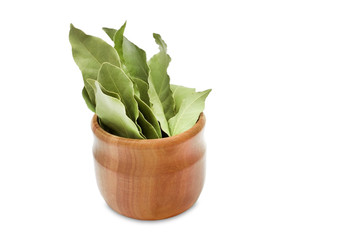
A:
x: 143, y: 89
x: 131, y: 56
x: 117, y: 96
x: 110, y: 93
x: 153, y: 127
x: 110, y: 32
x: 160, y: 94
x: 180, y: 93
x: 189, y: 112
x: 137, y: 61
x: 89, y: 53
x: 114, y: 79
x: 146, y: 128
x: 112, y: 113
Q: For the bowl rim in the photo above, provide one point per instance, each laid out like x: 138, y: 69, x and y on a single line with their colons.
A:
x: 160, y: 142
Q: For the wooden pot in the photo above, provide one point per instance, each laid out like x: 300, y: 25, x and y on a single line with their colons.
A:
x: 153, y: 178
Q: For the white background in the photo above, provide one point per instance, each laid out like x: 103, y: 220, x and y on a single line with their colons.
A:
x: 283, y: 129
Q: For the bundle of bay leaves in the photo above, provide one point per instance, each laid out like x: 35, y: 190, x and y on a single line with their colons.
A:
x: 131, y: 96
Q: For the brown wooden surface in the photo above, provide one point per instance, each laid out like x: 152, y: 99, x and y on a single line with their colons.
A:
x: 150, y: 179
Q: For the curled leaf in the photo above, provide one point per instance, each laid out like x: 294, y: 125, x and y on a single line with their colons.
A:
x: 112, y: 113
x: 189, y: 112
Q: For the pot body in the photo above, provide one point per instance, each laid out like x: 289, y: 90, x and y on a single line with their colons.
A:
x: 150, y: 179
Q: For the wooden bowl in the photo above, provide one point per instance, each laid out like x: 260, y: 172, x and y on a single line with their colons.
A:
x: 153, y: 178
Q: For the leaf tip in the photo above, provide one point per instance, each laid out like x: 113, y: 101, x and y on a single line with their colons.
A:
x: 122, y: 28
x: 207, y: 92
x: 72, y: 26
x: 72, y: 29
x: 159, y: 41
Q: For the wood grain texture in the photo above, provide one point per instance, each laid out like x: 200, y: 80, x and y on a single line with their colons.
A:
x: 150, y: 179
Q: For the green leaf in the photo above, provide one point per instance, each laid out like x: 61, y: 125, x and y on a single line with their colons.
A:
x: 146, y: 128
x: 158, y: 109
x: 89, y: 53
x: 160, y: 94
x: 143, y: 89
x: 151, y: 127
x: 110, y: 32
x: 112, y: 113
x: 180, y: 93
x: 118, y: 39
x: 116, y: 83
x: 189, y: 112
x: 131, y: 56
x: 114, y: 79
x: 110, y: 93
x: 141, y: 86
x: 88, y: 102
